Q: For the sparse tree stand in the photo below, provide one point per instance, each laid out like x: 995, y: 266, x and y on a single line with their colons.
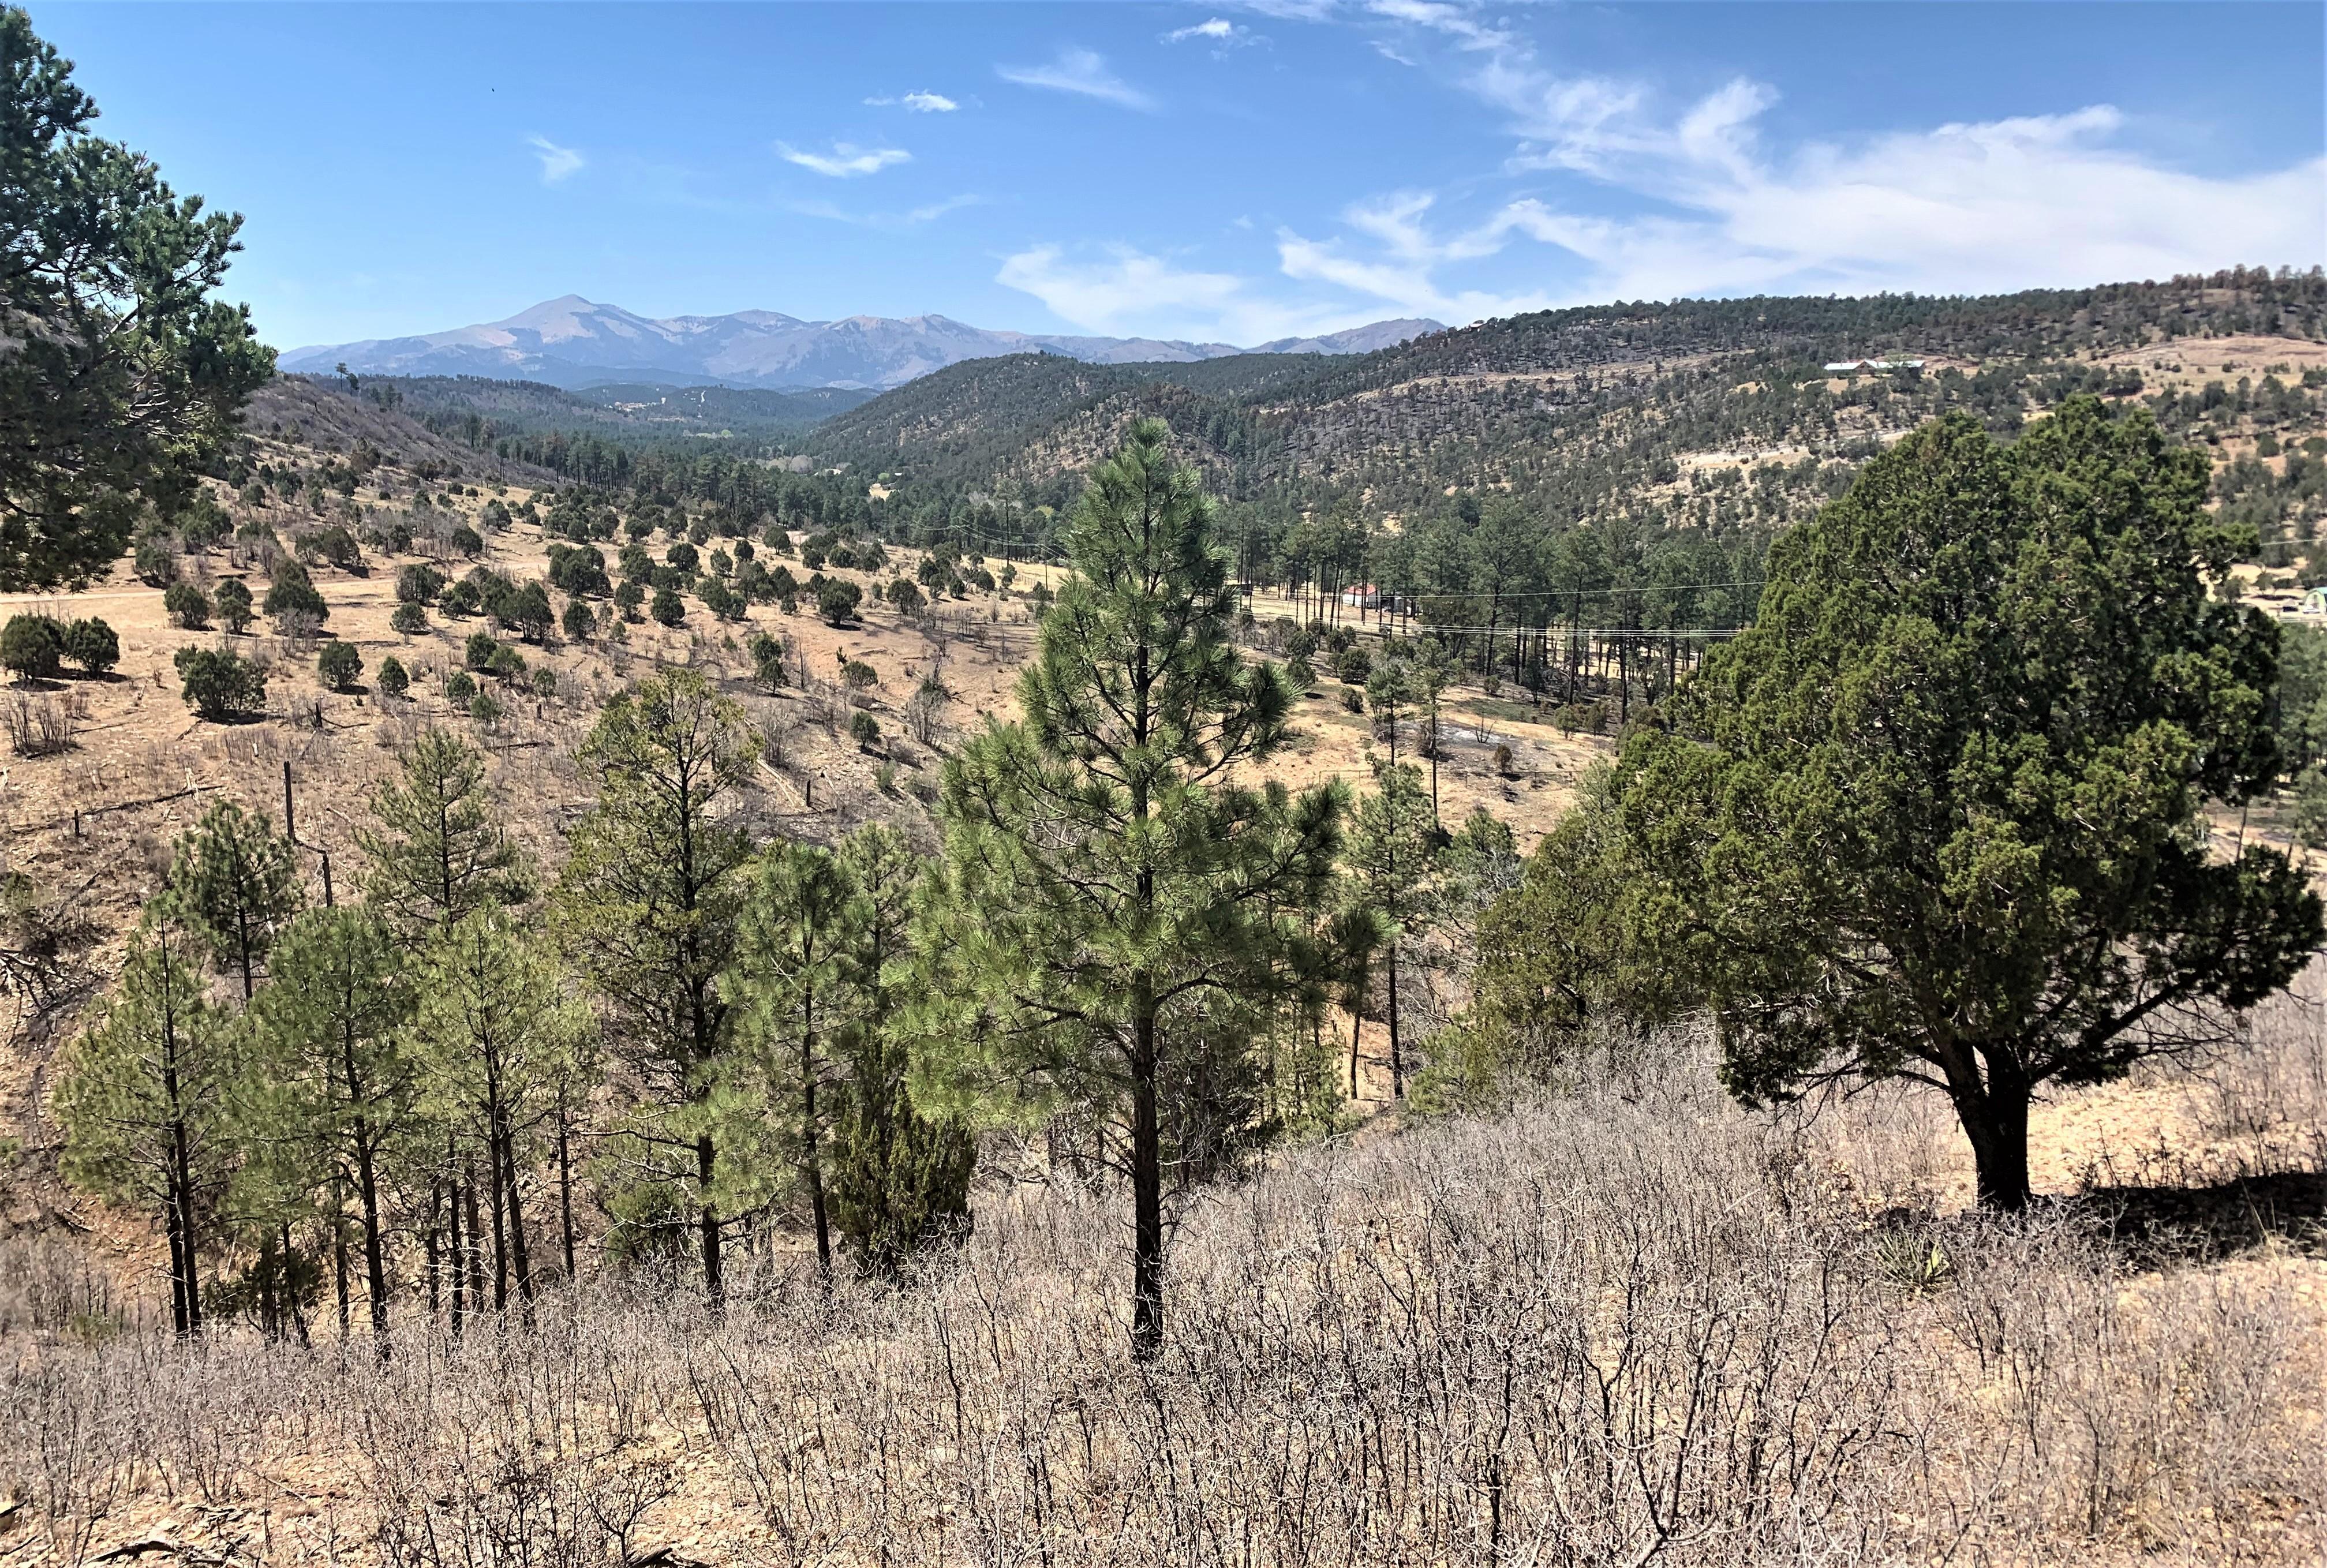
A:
x: 648, y: 908
x: 1937, y: 815
x: 1109, y: 880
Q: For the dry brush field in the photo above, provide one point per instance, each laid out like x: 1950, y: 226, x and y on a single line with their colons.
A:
x: 1624, y: 1325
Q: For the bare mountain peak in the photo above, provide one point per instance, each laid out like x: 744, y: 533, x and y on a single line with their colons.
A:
x: 571, y: 342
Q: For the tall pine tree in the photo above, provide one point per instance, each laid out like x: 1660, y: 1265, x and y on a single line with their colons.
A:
x: 647, y: 907
x: 236, y: 879
x: 435, y: 850
x: 1113, y: 884
x: 338, y: 1073
x: 900, y: 1179
x: 144, y: 1096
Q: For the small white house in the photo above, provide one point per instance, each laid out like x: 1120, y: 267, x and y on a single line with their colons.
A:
x: 1843, y: 366
x: 2314, y: 603
x: 1364, y: 596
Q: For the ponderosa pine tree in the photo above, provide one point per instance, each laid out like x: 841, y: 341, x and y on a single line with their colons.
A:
x: 1391, y: 858
x: 900, y: 1179
x: 495, y: 1032
x: 436, y: 853
x: 144, y: 1093
x: 648, y: 908
x: 237, y: 880
x: 1111, y: 887
x: 789, y: 979
x: 335, y: 1069
x: 1939, y: 814
x: 123, y: 375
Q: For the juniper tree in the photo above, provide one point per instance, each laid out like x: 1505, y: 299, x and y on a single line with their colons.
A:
x: 144, y: 1096
x: 647, y: 907
x: 1111, y: 883
x: 1939, y: 814
x: 338, y: 1076
x: 237, y: 880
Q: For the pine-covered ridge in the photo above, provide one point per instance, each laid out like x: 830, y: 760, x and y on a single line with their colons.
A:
x: 1661, y: 415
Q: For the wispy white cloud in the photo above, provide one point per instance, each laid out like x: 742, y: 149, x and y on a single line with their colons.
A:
x: 1219, y: 31
x: 920, y: 103
x: 2039, y: 201
x: 1403, y: 261
x: 1082, y: 71
x: 911, y: 218
x: 1704, y: 205
x: 557, y: 162
x: 1121, y: 290
x: 846, y: 160
x: 1290, y: 10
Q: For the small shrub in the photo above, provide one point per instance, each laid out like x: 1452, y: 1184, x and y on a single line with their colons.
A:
x: 337, y: 546
x: 233, y: 605
x: 188, y: 607
x: 579, y: 622
x: 1505, y: 764
x: 418, y: 584
x: 394, y: 680
x: 544, y: 682
x: 837, y: 601
x: 339, y: 664
x: 93, y: 645
x: 460, y: 686
x: 40, y: 726
x: 294, y: 593
x: 668, y: 609
x: 767, y: 660
x: 863, y: 728
x: 31, y: 645
x: 409, y: 621
x: 155, y: 559
x: 1352, y: 665
x: 219, y: 684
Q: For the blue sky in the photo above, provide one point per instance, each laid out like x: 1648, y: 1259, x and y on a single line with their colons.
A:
x: 1224, y: 172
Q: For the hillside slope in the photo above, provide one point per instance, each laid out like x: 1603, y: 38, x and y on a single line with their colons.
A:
x: 1606, y: 410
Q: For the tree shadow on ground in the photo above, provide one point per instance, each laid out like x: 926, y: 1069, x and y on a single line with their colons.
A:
x: 2154, y: 1226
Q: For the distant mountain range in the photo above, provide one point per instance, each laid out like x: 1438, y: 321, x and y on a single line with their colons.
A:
x: 574, y: 343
